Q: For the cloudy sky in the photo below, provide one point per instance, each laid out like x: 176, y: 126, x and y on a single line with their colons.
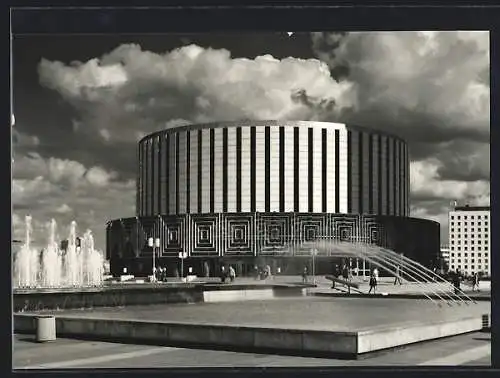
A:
x: 82, y: 102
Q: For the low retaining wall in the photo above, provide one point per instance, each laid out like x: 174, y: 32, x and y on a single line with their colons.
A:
x: 214, y: 296
x: 129, y: 296
x: 301, y: 342
x: 374, y: 340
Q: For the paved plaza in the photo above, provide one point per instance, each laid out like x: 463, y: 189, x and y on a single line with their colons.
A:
x: 472, y: 349
x: 312, y: 313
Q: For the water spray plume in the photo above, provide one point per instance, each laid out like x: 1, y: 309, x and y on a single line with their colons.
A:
x: 76, y: 267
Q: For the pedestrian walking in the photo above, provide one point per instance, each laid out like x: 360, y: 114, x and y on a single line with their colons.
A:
x: 223, y: 274
x: 373, y: 282
x: 304, y: 275
x: 456, y: 282
x: 475, y: 281
x: 232, y: 274
x: 345, y: 276
x: 397, y: 278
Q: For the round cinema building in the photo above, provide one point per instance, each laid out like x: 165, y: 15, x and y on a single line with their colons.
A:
x: 250, y: 193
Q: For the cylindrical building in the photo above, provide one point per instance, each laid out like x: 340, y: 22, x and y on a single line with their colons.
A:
x: 263, y: 193
x: 272, y: 166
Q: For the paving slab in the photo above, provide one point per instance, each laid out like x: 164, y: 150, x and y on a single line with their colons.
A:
x: 68, y: 353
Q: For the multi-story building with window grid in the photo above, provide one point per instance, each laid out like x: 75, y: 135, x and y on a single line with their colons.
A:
x: 469, y: 239
x: 251, y: 191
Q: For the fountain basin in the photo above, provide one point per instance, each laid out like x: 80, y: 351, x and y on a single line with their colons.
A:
x: 145, y: 294
x: 348, y: 327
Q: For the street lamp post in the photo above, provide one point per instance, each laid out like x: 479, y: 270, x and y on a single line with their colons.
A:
x: 313, y: 253
x: 154, y: 243
x: 182, y: 256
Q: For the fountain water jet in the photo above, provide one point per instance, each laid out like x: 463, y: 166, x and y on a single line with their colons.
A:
x: 51, y: 260
x: 26, y: 261
x: 389, y: 260
x: 424, y: 272
x: 78, y: 267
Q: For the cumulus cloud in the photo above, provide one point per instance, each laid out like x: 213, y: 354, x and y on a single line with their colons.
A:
x: 65, y: 190
x: 132, y: 89
x: 431, y: 88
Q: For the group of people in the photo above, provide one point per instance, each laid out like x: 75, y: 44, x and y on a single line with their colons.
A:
x: 161, y: 273
x: 227, y: 273
x: 456, y: 279
x: 345, y: 273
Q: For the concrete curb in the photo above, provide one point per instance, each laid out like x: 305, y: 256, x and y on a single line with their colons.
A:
x: 393, y: 296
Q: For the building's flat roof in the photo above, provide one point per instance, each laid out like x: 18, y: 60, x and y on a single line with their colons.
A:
x: 472, y: 208
x: 286, y: 123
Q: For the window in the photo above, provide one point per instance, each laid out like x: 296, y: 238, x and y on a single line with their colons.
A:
x: 485, y: 247
x: 452, y: 229
x: 452, y: 255
x: 465, y: 230
x: 486, y: 236
x: 459, y: 254
x: 459, y: 266
x: 472, y: 261
x: 452, y: 217
x: 472, y: 267
x: 472, y: 217
x: 465, y: 216
x: 465, y: 241
x: 459, y: 223
x: 486, y: 229
x: 465, y: 254
x: 458, y: 217
x: 479, y: 255
x: 472, y: 236
x: 486, y: 261
x: 471, y: 230
x: 458, y: 236
x: 472, y: 241
x: 452, y: 248
x: 465, y: 267
x: 479, y: 248
x: 458, y: 248
x: 479, y: 242
x: 452, y: 223
x: 453, y: 242
x: 486, y: 223
x: 453, y: 267
x: 459, y: 260
x: 465, y: 248
x: 479, y: 261
x: 452, y: 236
x: 479, y: 223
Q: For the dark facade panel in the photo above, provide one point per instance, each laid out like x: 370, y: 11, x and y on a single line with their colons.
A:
x: 265, y: 235
x: 353, y: 172
x: 367, y: 180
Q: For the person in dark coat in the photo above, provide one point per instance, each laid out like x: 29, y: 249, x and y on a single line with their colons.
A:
x: 223, y: 274
x: 304, y: 275
x: 345, y: 276
x: 456, y: 281
x: 373, y: 282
